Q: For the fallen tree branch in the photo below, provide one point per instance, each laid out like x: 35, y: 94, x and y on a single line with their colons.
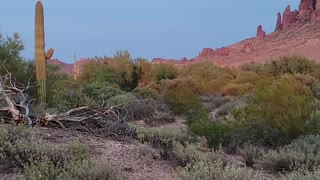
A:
x: 106, y: 122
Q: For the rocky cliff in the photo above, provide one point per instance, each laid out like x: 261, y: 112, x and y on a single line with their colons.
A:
x: 296, y: 32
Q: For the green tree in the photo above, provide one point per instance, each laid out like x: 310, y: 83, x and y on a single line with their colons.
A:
x: 10, y: 59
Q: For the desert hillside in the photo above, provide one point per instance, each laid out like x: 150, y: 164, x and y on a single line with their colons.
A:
x: 296, y: 32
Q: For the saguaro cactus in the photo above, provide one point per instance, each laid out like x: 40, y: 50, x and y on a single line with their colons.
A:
x: 39, y: 54
x: 75, y: 67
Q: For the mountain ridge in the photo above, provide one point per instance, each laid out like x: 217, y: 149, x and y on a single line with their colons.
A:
x: 296, y: 32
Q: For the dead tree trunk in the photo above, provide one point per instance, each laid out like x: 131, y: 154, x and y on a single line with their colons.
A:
x: 10, y: 94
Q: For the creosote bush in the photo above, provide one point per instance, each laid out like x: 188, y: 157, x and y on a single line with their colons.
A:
x: 163, y: 139
x: 186, y: 153
x: 250, y: 153
x: 302, y: 173
x: 208, y: 170
x: 81, y: 169
x: 303, y: 152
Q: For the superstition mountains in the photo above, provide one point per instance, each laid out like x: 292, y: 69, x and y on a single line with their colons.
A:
x: 297, y: 32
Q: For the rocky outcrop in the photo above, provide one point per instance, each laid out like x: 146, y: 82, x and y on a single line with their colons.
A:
x: 306, y: 7
x: 224, y: 51
x: 309, y: 12
x: 158, y: 60
x: 184, y: 60
x: 248, y: 48
x: 161, y: 61
x: 260, y: 32
x: 289, y: 17
x: 279, y: 25
x: 207, y: 52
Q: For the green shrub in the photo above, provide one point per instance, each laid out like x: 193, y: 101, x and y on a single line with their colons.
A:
x: 184, y: 101
x: 73, y: 170
x: 185, y: 154
x: 305, y: 144
x: 121, y: 99
x: 261, y: 69
x: 204, y: 71
x: 166, y: 134
x: 233, y: 89
x: 293, y: 65
x: 152, y: 112
x: 316, y: 89
x: 285, y: 105
x: 250, y: 153
x: 313, y: 123
x: 120, y: 70
x: 21, y: 147
x: 56, y: 81
x: 101, y: 92
x: 144, y: 92
x: 216, y: 133
x: 165, y: 71
x: 302, y: 173
x: 303, y: 152
x: 162, y: 139
x: 160, y: 113
x: 208, y: 170
x: 70, y: 97
x: 214, y: 101
x: 207, y: 78
x: 243, y: 77
x: 22, y: 150
x: 284, y: 65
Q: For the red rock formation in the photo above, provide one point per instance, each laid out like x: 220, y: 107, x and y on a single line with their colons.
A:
x: 184, y: 60
x: 207, y: 52
x: 305, y: 8
x: 260, y: 32
x: 248, y: 48
x: 279, y: 24
x: 222, y: 51
x: 65, y: 68
x: 157, y: 60
x: 289, y: 17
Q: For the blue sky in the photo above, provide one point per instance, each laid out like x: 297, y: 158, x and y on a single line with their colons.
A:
x: 146, y: 28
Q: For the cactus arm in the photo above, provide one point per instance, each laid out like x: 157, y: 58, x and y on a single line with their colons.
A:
x: 49, y: 53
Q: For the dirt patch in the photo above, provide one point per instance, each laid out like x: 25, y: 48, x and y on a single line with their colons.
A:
x: 127, y: 157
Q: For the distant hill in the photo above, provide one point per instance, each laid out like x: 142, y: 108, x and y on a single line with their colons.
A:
x: 296, y: 32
